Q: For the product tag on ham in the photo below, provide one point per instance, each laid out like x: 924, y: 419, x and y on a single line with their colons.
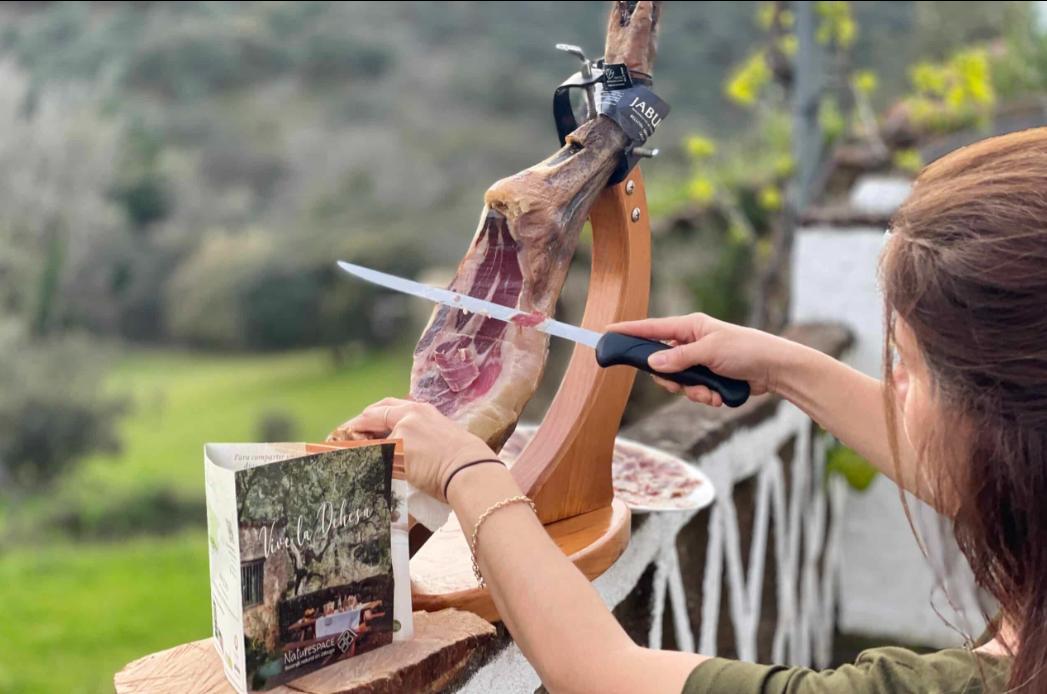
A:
x: 637, y: 109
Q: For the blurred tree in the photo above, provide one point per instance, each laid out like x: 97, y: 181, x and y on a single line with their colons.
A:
x: 949, y: 24
x: 141, y: 188
x: 56, y: 151
x: 204, y: 297
x: 254, y: 290
x: 52, y: 408
x: 953, y: 94
x: 276, y: 426
x: 1020, y: 69
x: 298, y: 119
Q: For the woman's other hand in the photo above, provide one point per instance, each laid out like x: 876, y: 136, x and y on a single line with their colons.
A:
x: 729, y: 350
x: 434, y: 446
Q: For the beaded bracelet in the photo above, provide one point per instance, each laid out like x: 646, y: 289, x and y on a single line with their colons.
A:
x: 480, y: 521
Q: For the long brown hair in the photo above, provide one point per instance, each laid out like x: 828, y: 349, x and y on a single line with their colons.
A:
x: 966, y: 269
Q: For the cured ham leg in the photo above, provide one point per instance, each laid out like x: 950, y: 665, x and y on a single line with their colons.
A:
x: 479, y: 371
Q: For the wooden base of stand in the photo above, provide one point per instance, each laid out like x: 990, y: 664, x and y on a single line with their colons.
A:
x: 442, y: 574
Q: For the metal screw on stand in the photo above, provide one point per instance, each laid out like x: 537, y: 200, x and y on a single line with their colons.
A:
x: 630, y: 186
x: 587, y: 74
x: 645, y: 152
x: 636, y: 214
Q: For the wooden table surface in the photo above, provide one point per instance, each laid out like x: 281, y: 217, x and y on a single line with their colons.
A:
x: 443, y: 645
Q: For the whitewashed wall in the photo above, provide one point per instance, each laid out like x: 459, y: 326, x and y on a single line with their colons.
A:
x: 886, y: 584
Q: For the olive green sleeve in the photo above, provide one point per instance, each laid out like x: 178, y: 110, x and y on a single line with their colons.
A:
x: 881, y: 670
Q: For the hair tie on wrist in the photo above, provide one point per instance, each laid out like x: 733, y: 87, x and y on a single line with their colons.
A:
x: 447, y: 484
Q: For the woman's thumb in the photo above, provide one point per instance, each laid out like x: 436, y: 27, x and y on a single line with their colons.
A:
x: 678, y: 358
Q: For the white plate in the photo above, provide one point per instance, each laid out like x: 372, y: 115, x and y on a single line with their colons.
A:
x: 700, y: 497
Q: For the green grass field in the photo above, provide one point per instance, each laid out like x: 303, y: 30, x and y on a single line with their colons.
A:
x: 75, y: 613
x: 182, y: 401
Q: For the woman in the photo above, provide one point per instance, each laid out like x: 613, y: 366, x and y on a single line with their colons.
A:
x: 960, y: 419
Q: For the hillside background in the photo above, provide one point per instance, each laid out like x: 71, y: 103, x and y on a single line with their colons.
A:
x: 178, y: 181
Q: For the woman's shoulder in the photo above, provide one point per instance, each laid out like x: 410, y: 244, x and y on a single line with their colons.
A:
x: 890, y: 669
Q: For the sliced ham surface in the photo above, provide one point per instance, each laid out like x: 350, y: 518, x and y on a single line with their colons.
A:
x: 479, y: 371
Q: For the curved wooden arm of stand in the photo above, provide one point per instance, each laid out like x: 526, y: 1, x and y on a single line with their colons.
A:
x: 566, y: 468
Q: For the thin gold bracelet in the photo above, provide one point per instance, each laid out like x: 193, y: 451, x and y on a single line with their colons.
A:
x: 480, y: 521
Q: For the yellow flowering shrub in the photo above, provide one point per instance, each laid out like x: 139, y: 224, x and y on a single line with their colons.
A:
x: 699, y: 147
x: 770, y: 197
x: 956, y: 93
x: 748, y: 80
x: 701, y: 190
x: 864, y: 82
x: 831, y: 119
x: 837, y: 25
x: 908, y: 160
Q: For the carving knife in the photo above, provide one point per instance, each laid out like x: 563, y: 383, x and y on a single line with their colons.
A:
x: 612, y: 349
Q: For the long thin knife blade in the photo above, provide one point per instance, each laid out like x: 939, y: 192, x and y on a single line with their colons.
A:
x: 472, y: 304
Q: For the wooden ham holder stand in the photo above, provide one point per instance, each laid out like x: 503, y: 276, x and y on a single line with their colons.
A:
x: 566, y: 468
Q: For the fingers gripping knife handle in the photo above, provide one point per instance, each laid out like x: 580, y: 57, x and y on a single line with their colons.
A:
x: 614, y: 349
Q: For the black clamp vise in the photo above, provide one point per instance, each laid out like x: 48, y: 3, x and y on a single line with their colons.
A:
x: 610, y: 90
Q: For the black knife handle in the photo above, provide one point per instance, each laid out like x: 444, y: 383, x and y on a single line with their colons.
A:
x: 615, y: 348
